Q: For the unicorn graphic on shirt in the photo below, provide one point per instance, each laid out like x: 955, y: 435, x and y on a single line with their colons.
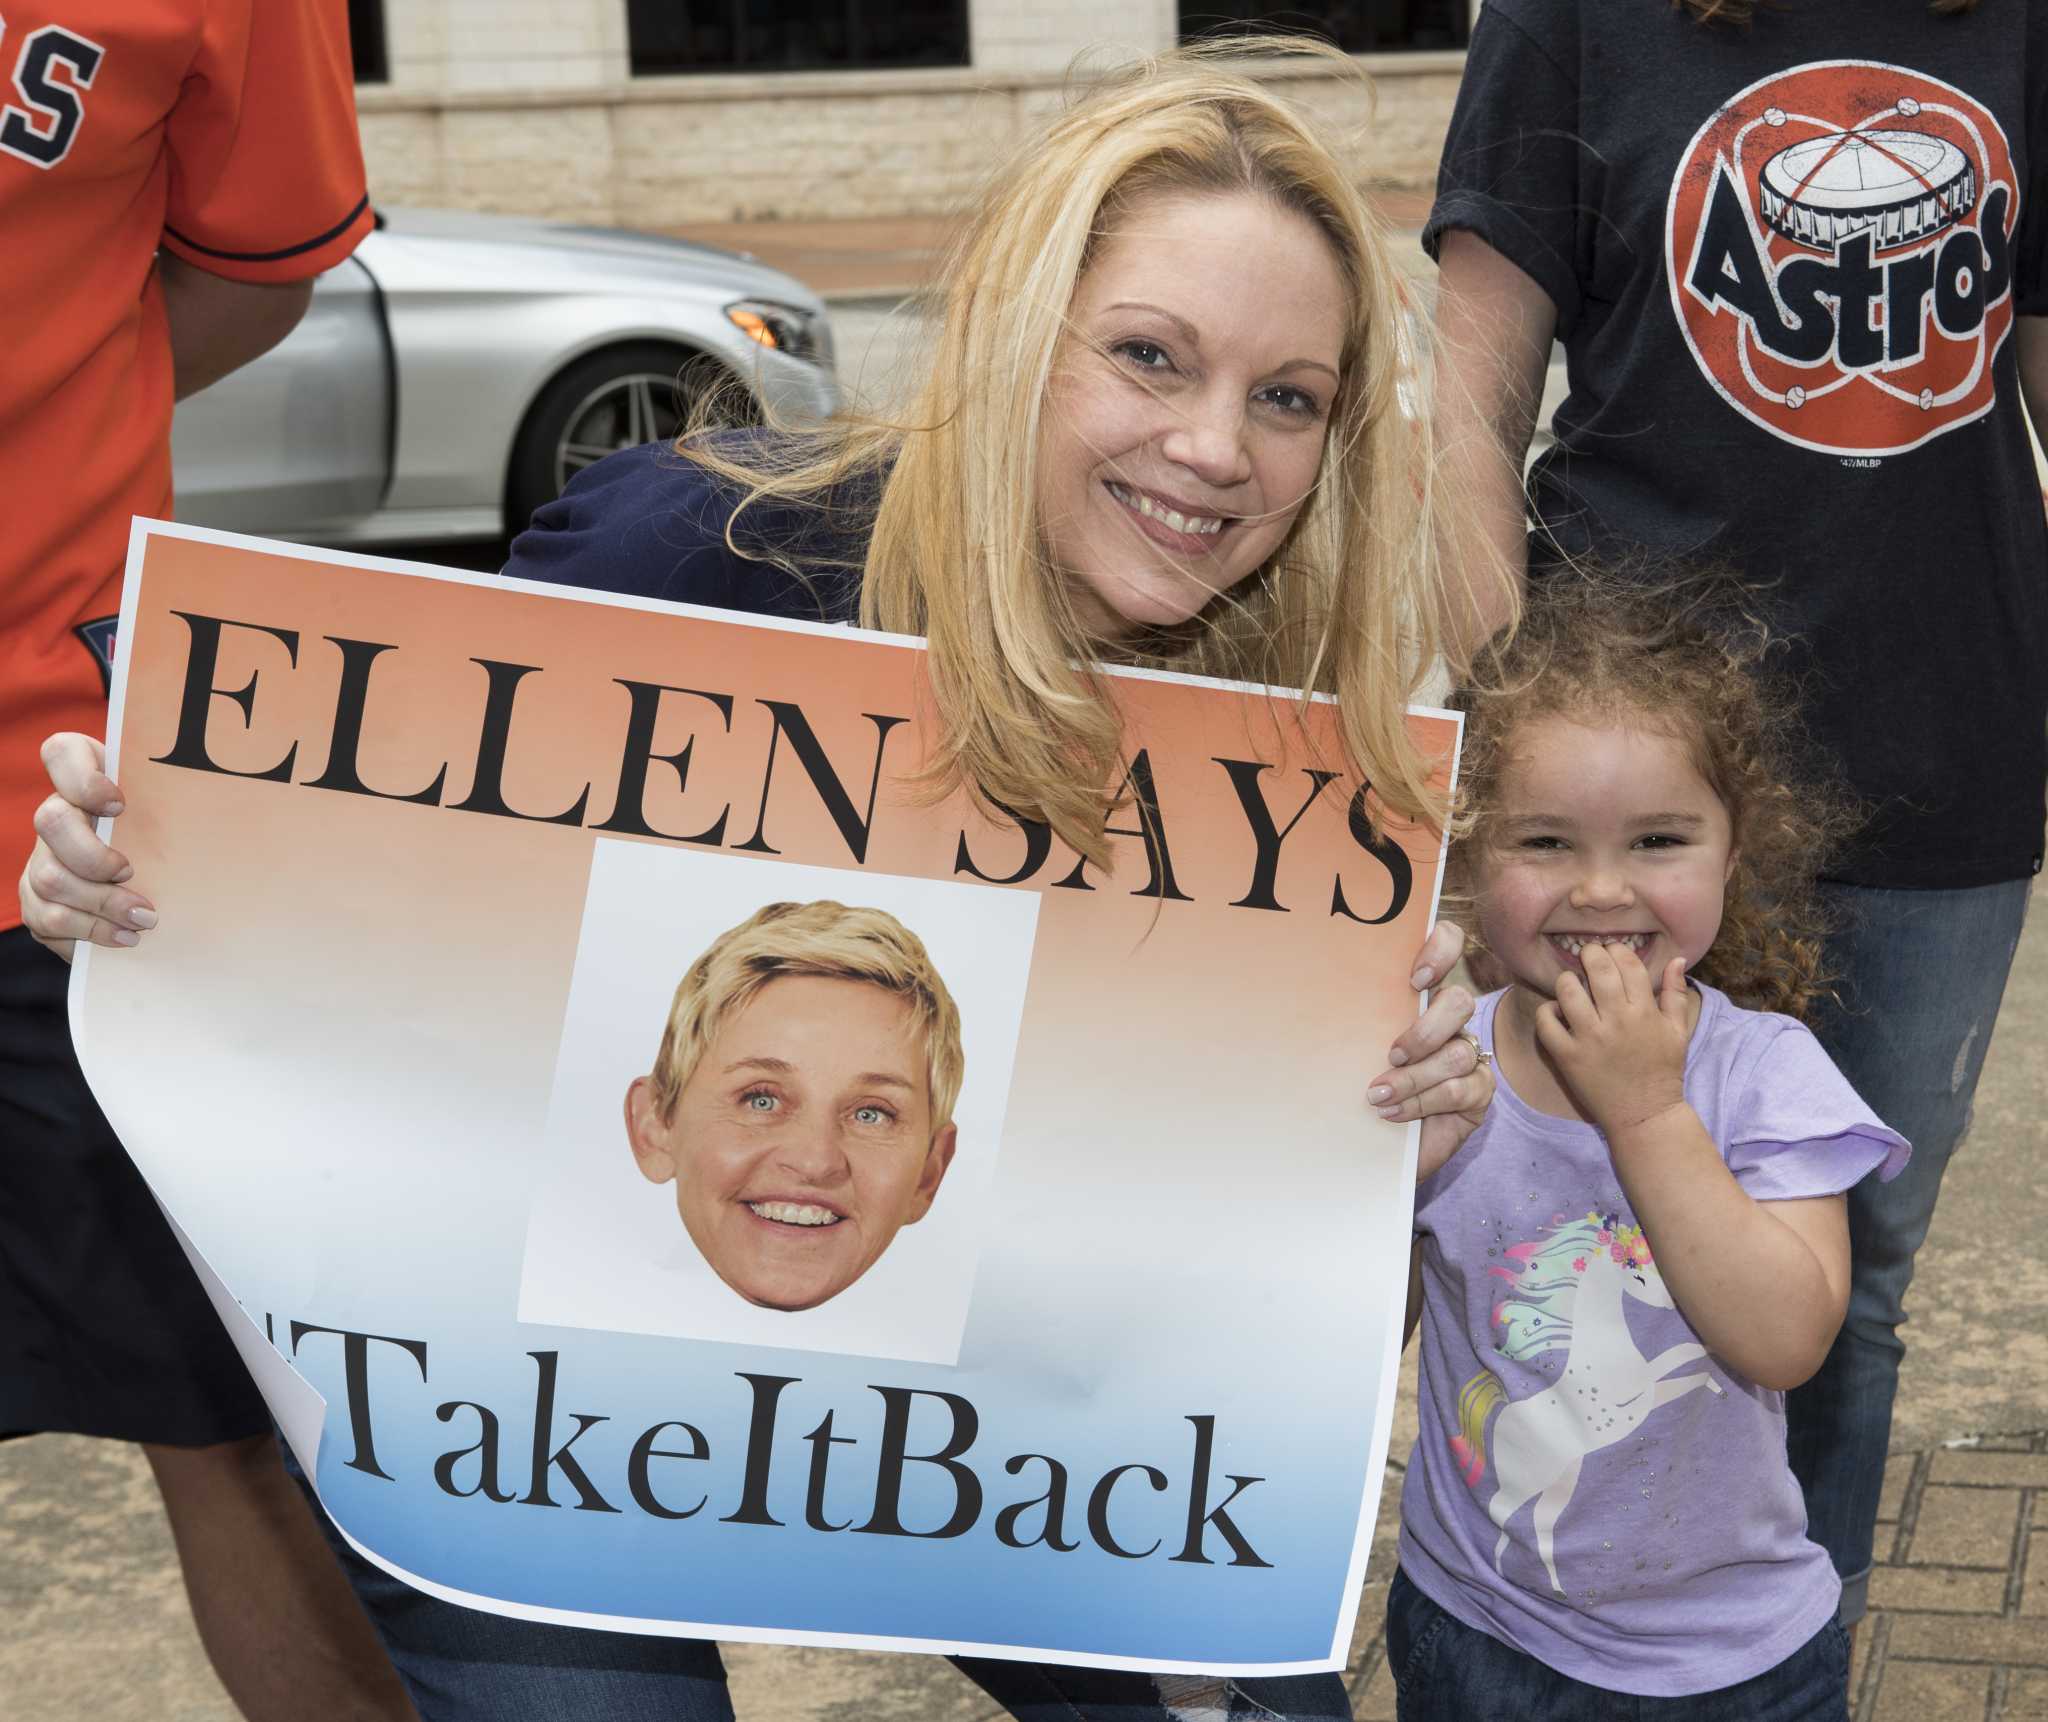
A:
x: 1564, y: 1293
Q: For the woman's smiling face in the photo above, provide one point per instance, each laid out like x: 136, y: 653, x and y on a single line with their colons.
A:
x: 1185, y: 421
x: 803, y: 1140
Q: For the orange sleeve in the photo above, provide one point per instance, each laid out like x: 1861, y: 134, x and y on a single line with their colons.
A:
x: 266, y: 167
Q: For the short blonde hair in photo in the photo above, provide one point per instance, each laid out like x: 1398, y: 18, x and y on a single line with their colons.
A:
x: 826, y: 939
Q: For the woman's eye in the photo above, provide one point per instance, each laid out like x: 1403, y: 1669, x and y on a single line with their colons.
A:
x: 873, y: 1115
x: 760, y: 1100
x: 1297, y: 403
x: 1660, y: 840
x: 1542, y: 843
x: 1146, y: 355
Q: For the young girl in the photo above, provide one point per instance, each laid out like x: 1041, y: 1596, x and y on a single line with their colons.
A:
x: 1644, y: 1246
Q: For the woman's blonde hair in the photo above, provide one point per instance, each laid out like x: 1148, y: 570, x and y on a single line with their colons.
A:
x: 822, y: 938
x: 1349, y: 604
x: 1678, y: 652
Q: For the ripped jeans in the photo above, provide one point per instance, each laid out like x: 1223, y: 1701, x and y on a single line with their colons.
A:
x: 462, y: 1665
x: 1921, y: 975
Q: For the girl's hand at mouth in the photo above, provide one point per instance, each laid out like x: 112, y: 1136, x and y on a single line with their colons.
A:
x: 1619, y: 1042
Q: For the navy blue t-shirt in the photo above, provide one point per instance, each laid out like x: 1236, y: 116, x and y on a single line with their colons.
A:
x: 649, y: 524
x: 1787, y: 260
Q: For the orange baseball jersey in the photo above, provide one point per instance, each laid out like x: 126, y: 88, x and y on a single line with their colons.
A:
x: 222, y: 131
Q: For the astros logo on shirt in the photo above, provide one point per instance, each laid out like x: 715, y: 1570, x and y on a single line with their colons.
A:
x: 1839, y: 246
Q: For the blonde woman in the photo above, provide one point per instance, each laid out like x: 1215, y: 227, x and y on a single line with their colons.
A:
x: 1160, y: 425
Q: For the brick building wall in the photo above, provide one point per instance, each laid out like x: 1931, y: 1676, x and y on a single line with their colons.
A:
x: 529, y: 107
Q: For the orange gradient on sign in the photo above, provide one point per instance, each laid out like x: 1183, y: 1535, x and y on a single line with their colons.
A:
x: 358, y: 905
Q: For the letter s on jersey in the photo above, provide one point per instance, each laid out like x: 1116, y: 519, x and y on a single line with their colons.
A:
x: 53, y: 67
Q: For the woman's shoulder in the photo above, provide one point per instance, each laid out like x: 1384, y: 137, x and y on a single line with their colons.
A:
x: 649, y: 522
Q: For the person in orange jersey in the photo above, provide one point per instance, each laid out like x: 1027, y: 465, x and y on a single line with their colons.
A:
x: 173, y: 173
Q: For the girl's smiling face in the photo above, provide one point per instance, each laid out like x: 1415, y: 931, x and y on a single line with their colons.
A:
x: 1185, y: 420
x: 1600, y: 833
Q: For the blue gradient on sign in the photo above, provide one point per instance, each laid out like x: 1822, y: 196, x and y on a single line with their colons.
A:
x: 970, y: 1588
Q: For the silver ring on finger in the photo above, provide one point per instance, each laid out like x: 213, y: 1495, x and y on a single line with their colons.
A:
x: 1478, y: 1052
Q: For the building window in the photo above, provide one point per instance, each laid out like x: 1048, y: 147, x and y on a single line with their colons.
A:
x: 794, y: 35
x: 366, y: 41
x: 1356, y: 26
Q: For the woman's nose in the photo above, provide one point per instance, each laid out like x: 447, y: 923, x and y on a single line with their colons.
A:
x: 1210, y: 443
x: 812, y: 1151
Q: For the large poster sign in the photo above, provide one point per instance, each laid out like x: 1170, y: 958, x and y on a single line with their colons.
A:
x: 684, y: 1173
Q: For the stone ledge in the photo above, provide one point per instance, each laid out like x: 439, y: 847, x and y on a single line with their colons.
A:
x: 810, y: 86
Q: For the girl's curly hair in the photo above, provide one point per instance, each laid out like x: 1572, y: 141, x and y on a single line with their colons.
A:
x: 1683, y: 654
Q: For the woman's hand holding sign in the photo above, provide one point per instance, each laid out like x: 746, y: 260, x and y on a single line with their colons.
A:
x: 74, y: 886
x: 1438, y: 1075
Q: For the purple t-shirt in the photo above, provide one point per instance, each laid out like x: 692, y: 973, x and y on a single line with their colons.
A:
x: 1589, y: 1485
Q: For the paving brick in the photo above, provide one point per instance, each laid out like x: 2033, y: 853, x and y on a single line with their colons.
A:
x: 1932, y: 1692
x: 1939, y: 1590
x: 1376, y: 1702
x: 2034, y: 1602
x: 1967, y: 1638
x: 1861, y: 1641
x: 1960, y: 1527
x: 2026, y: 1699
x: 1898, y: 1472
x: 1992, y: 1470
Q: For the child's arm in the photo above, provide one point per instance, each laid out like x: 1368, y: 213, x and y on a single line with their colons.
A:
x: 1764, y: 1284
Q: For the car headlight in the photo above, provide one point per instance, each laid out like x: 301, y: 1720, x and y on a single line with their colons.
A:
x: 783, y: 329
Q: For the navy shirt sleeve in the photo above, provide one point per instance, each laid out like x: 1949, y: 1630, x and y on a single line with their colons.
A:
x: 647, y: 523
x: 1511, y: 169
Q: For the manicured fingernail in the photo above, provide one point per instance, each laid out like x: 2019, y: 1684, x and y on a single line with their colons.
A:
x: 1397, y: 1057
x: 122, y: 936
x: 1390, y: 1113
x: 1379, y: 1093
x: 114, y: 809
x: 142, y: 917
x: 1422, y: 977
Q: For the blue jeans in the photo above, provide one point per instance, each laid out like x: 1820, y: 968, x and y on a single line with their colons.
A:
x: 1921, y: 974
x: 1446, y: 1671
x: 463, y: 1665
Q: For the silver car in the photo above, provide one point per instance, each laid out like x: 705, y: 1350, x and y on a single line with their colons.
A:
x: 458, y: 369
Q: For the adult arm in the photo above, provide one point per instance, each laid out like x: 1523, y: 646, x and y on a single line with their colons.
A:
x: 1494, y: 326
x: 218, y: 325
x: 2032, y: 335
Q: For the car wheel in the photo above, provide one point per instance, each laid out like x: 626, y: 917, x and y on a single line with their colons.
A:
x: 619, y: 398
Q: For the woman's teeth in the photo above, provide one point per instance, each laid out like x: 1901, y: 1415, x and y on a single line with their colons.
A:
x: 1577, y: 942
x: 1200, y: 525
x: 794, y: 1213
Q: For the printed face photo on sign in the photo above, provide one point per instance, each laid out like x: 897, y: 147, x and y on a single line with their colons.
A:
x: 778, y: 1104
x: 800, y: 1108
